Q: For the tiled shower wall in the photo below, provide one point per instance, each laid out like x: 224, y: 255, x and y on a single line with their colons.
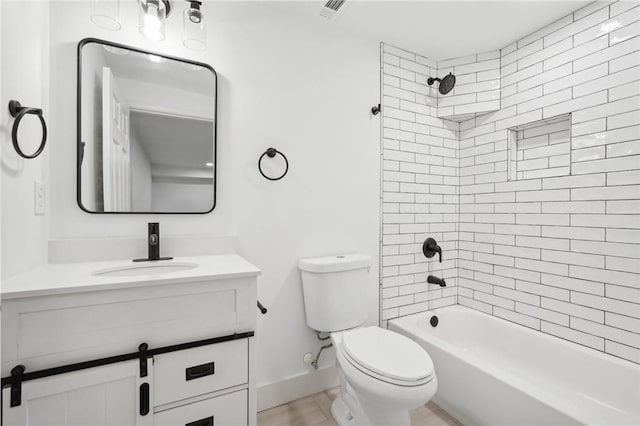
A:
x: 420, y: 188
x: 559, y: 254
x: 477, y: 86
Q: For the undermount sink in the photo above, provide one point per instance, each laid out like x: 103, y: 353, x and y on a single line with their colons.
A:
x: 145, y: 269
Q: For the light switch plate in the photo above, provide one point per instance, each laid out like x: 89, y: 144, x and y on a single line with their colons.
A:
x: 39, y: 195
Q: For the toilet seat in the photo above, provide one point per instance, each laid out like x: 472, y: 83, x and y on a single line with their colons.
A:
x: 387, y: 356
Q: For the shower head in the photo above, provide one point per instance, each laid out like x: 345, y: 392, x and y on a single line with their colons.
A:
x: 446, y: 83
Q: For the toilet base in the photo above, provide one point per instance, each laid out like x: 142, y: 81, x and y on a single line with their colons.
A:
x: 367, y: 401
x: 376, y: 415
x: 341, y: 413
x: 371, y: 416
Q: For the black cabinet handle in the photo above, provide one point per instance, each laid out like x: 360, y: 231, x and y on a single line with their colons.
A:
x: 17, y: 374
x: 144, y: 399
x: 202, y: 422
x: 199, y: 371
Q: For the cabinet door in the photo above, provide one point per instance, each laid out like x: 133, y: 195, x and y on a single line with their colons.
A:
x: 100, y: 396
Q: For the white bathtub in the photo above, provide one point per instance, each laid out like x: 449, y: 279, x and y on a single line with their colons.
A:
x: 494, y: 372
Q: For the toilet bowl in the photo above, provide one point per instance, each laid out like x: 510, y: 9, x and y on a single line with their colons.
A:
x: 383, y: 375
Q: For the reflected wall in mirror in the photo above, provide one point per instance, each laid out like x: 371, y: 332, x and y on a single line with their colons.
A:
x: 146, y: 131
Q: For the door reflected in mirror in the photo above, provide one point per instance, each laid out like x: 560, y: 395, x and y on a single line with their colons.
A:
x: 147, y: 131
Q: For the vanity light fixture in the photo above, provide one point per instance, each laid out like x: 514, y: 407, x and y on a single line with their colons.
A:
x: 195, y: 32
x: 152, y: 18
x: 106, y: 14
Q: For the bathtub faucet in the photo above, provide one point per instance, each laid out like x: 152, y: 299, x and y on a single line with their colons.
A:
x: 432, y: 279
x: 430, y: 248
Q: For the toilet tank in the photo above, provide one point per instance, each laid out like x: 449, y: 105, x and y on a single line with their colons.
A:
x: 334, y: 289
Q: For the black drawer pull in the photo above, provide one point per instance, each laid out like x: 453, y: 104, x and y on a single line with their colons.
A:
x: 198, y: 371
x: 202, y: 422
x: 144, y: 399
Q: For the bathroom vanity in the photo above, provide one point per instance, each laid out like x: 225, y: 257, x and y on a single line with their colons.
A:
x: 103, y: 343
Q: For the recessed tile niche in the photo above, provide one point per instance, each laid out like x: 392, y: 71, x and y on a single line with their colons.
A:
x: 540, y: 149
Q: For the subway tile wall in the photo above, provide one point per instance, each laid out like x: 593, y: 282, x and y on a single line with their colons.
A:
x: 419, y: 189
x: 477, y: 88
x: 541, y: 149
x: 559, y: 254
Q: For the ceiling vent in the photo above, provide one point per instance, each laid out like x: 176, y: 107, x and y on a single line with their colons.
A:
x: 331, y: 8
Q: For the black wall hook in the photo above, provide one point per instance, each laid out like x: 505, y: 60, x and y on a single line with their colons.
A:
x: 17, y: 111
x: 375, y: 110
x: 271, y: 152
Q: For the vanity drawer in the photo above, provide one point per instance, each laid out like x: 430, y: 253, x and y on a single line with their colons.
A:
x: 229, y: 409
x: 191, y: 372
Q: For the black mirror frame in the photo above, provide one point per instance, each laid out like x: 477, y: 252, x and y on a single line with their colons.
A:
x: 80, y: 144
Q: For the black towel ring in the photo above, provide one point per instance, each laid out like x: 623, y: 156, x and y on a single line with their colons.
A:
x: 18, y: 112
x: 271, y: 152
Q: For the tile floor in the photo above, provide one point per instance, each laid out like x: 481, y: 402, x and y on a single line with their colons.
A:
x: 316, y: 410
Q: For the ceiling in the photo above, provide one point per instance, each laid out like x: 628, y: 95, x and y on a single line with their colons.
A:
x: 438, y: 29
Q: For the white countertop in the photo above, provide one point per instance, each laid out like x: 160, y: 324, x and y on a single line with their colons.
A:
x: 77, y: 277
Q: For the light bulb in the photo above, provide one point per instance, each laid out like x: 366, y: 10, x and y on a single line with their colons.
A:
x: 152, y: 23
x: 152, y: 18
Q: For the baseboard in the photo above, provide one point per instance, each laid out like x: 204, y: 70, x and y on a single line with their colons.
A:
x: 292, y: 388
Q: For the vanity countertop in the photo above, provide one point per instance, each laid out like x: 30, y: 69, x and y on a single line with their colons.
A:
x: 65, y: 278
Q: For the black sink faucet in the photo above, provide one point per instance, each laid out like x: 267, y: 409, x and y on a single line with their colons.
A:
x: 430, y: 248
x: 154, y: 241
x: 153, y: 244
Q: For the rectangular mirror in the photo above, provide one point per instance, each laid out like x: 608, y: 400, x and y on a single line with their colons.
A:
x: 146, y: 131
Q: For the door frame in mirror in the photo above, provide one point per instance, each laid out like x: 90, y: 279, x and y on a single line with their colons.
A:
x: 80, y: 144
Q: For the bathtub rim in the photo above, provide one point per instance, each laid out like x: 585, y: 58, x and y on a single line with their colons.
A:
x: 573, y: 409
x: 528, y: 330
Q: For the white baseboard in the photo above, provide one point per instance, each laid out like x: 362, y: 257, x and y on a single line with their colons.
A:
x: 292, y: 388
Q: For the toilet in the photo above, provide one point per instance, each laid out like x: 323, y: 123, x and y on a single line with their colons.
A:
x: 383, y: 375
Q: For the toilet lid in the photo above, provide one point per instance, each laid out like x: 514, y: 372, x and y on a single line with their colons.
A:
x: 388, y: 354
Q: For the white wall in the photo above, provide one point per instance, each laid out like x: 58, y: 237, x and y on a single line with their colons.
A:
x: 181, y: 194
x: 25, y: 65
x: 304, y: 89
x: 147, y: 96
x: 140, y: 175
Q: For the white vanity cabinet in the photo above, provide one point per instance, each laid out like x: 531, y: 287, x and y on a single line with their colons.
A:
x: 197, y: 325
x: 101, y: 396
